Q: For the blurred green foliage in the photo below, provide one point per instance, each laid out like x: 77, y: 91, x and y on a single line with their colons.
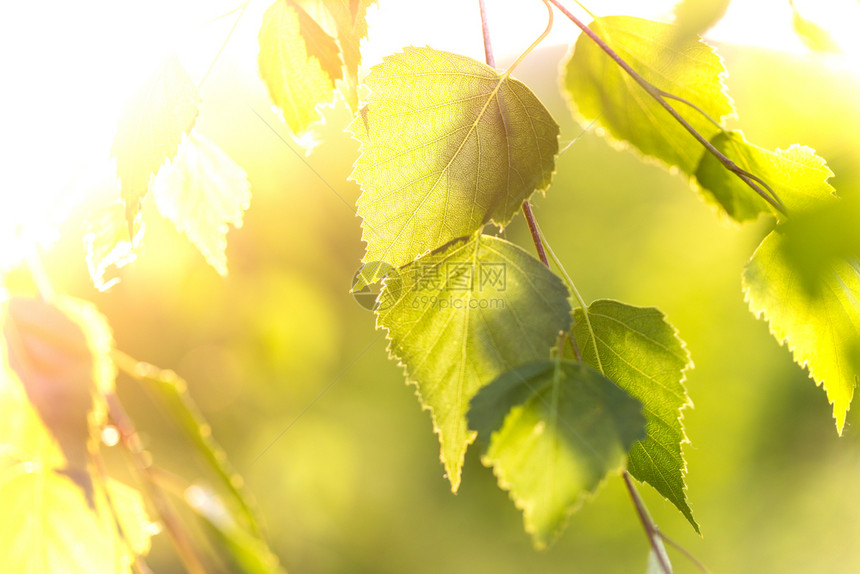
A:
x: 298, y: 389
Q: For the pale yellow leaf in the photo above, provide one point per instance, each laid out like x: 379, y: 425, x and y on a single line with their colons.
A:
x: 49, y: 528
x: 201, y: 193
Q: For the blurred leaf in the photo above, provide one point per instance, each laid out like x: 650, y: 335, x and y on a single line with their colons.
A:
x: 61, y: 354
x: 172, y: 393
x: 23, y: 435
x: 555, y: 430
x: 299, y: 63
x: 246, y: 553
x: 201, y: 192
x: 107, y: 243
x: 685, y: 67
x: 642, y: 354
x: 151, y: 129
x: 695, y: 17
x: 350, y: 18
x: 460, y: 317
x: 447, y: 145
x: 796, y: 175
x: 48, y: 527
x: 821, y: 327
x: 813, y: 36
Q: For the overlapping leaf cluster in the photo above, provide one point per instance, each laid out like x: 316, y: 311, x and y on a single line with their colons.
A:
x: 449, y: 145
x: 820, y: 325
x: 55, y: 373
x: 194, y: 183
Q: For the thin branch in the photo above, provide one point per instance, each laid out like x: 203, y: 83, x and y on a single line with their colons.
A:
x: 491, y: 61
x: 658, y: 95
x: 533, y: 228
x: 686, y: 553
x: 688, y: 103
x: 40, y: 276
x: 651, y: 530
x: 139, y: 563
x: 485, y: 28
x: 224, y: 44
x: 142, y: 465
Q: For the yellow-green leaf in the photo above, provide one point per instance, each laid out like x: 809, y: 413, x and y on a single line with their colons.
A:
x: 673, y: 62
x: 460, y: 317
x: 641, y: 352
x: 151, y: 129
x: 49, y: 528
x: 821, y: 327
x: 796, y: 175
x: 201, y: 192
x: 351, y: 20
x: 299, y: 63
x: 447, y: 146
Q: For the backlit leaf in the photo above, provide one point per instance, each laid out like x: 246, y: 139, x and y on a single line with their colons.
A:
x: 813, y: 35
x: 447, y: 145
x: 697, y: 16
x: 350, y: 17
x: 821, y: 327
x: 673, y: 62
x: 460, y: 317
x: 107, y: 243
x: 796, y: 175
x: 643, y: 355
x: 299, y: 63
x: 151, y: 129
x: 49, y: 528
x: 60, y: 353
x: 555, y: 430
x: 201, y: 192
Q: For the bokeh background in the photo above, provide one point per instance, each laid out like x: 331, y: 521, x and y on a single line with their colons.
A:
x: 297, y: 386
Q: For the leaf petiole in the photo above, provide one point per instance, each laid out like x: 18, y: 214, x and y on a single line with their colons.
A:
x: 534, y: 44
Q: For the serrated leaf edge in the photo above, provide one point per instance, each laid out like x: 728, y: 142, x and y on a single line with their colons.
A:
x: 499, y: 225
x: 760, y: 312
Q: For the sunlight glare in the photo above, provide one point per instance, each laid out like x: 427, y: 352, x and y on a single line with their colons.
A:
x: 71, y: 67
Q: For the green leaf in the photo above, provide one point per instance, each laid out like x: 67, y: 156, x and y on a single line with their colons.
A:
x: 642, y: 353
x: 299, y: 63
x: 61, y: 355
x: 49, y: 528
x: 680, y: 65
x: 821, y: 326
x: 151, y: 129
x: 447, y: 145
x: 201, y: 192
x: 796, y: 175
x: 460, y: 317
x: 555, y: 430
